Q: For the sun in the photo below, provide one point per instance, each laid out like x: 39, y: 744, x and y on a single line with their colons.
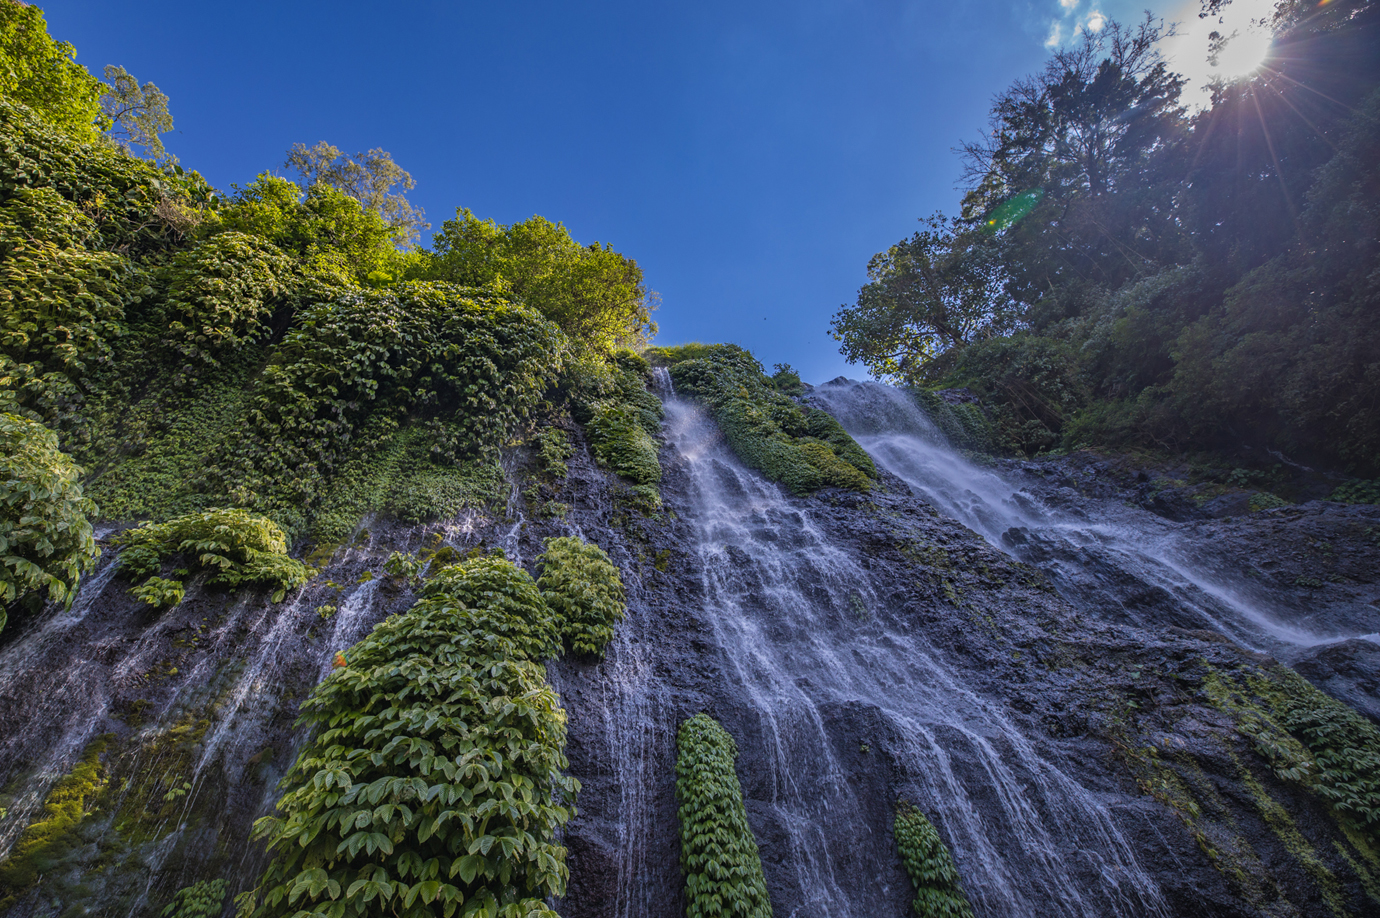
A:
x: 1243, y: 53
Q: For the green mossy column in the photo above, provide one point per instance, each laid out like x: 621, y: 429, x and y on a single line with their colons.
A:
x: 723, y: 871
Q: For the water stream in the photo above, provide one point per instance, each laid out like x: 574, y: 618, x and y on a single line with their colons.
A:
x: 1104, y: 553
x: 805, y: 639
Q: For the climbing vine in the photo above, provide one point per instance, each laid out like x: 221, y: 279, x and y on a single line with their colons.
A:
x: 584, y: 590
x: 435, y: 784
x: 931, y: 868
x: 723, y: 871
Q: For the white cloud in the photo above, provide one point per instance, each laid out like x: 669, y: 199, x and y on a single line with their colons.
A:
x: 1056, y: 35
x: 1095, y: 21
x: 1068, y: 4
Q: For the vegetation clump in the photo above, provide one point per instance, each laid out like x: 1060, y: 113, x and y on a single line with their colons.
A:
x: 621, y: 417
x: 233, y: 546
x: 435, y: 783
x: 583, y: 588
x: 203, y: 899
x: 46, y: 541
x: 931, y: 868
x: 723, y: 870
x: 1357, y: 491
x: 803, y: 448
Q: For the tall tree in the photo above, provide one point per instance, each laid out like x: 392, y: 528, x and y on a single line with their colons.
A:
x: 138, y: 114
x: 938, y: 290
x: 368, y: 178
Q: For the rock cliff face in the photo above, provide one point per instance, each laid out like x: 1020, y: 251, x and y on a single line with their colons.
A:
x: 1095, y: 727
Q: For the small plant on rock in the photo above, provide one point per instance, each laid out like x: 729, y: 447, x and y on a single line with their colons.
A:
x: 583, y: 588
x: 931, y: 868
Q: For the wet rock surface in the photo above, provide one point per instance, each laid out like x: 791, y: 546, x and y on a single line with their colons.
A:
x: 1066, y: 683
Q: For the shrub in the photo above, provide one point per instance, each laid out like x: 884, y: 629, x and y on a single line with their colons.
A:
x: 926, y: 858
x: 621, y: 417
x: 200, y: 900
x: 723, y: 871
x: 234, y: 546
x: 435, y: 784
x: 1357, y: 491
x: 803, y: 448
x: 622, y: 444
x: 46, y: 540
x: 584, y: 590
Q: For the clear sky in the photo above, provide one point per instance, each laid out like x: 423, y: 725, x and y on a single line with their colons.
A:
x: 750, y: 155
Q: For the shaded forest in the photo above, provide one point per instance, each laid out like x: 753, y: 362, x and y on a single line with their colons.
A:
x: 1128, y: 273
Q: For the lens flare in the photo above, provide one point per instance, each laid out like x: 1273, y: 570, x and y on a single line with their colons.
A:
x: 1008, y: 212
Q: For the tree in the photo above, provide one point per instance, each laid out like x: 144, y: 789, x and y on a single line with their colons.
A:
x: 1086, y: 133
x: 592, y: 292
x: 138, y: 114
x: 941, y: 289
x: 44, y: 74
x: 369, y: 178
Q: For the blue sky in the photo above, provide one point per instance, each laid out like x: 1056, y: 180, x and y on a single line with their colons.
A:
x: 751, y: 155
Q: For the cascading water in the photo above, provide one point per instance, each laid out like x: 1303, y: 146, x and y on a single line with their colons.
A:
x: 1095, y: 550
x: 804, y: 637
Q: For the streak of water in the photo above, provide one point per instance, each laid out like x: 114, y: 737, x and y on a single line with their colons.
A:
x: 1083, y: 549
x: 806, y: 640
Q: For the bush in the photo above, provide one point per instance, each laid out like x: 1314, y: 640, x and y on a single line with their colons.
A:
x: 435, y: 784
x: 1357, y: 491
x: 723, y: 871
x: 46, y: 540
x: 803, y: 448
x: 926, y: 858
x: 584, y: 590
x: 234, y: 546
x: 200, y: 900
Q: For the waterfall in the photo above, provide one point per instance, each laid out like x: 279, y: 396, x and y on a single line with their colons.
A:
x: 1094, y: 549
x: 805, y: 639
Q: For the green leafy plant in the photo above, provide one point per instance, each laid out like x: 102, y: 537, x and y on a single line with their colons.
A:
x: 46, y: 540
x: 583, y: 588
x: 160, y: 593
x: 1357, y: 491
x: 931, y: 868
x: 803, y: 448
x: 723, y: 870
x: 235, y: 547
x: 435, y: 785
x: 203, y: 899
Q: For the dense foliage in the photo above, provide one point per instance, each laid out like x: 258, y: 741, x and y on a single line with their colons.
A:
x: 621, y: 417
x: 203, y: 899
x: 232, y: 546
x: 592, y: 292
x: 42, y: 73
x: 931, y: 868
x: 584, y: 590
x: 1125, y: 272
x: 46, y: 540
x: 434, y: 785
x: 803, y: 448
x: 723, y: 871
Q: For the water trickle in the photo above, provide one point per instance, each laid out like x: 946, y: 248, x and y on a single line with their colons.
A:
x: 805, y: 641
x: 1094, y: 549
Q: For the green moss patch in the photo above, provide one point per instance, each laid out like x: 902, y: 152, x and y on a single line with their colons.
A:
x: 803, y: 448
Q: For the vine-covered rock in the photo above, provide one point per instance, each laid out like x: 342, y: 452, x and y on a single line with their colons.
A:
x: 723, y: 871
x: 931, y: 868
x: 435, y: 786
x: 583, y: 588
x: 803, y: 448
x: 46, y: 540
x: 235, y: 547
